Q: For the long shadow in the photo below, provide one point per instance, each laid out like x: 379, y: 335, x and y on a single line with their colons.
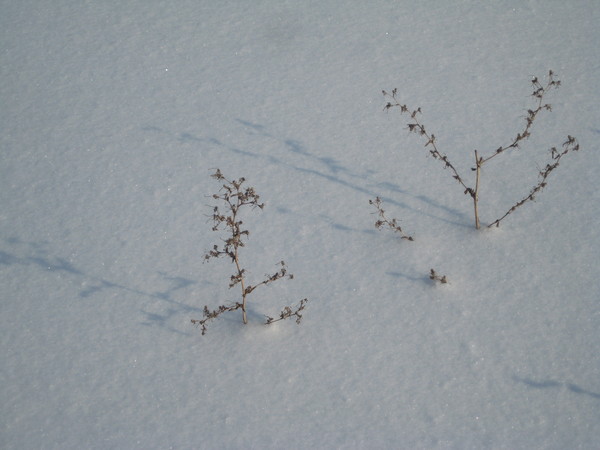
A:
x: 335, y: 171
x: 550, y: 384
x: 324, y: 167
x: 423, y: 279
x: 94, y: 285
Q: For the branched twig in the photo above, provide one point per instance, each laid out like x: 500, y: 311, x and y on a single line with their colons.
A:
x: 539, y: 93
x: 281, y: 273
x: 570, y: 144
x: 417, y: 127
x: 235, y: 197
x: 287, y: 312
x: 384, y: 221
x: 210, y: 315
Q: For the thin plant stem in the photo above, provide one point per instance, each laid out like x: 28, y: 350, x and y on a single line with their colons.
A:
x: 539, y: 94
x: 234, y: 197
x: 478, y: 163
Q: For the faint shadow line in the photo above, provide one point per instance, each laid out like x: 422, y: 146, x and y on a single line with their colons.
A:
x: 408, y: 277
x: 336, y: 169
x: 334, y: 173
x: 57, y: 264
x: 545, y: 384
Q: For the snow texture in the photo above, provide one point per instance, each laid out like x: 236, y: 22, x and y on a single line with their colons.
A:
x: 114, y: 114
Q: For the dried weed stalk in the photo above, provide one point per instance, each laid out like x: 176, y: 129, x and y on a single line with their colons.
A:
x: 235, y: 198
x: 434, y: 276
x: 288, y: 312
x: 539, y: 93
x: 383, y: 221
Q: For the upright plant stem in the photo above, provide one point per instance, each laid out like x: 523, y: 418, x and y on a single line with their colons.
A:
x: 476, y: 192
x: 235, y: 197
x: 539, y: 93
x: 243, y: 287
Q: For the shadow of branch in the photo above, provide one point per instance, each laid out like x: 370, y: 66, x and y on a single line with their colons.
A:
x: 545, y: 384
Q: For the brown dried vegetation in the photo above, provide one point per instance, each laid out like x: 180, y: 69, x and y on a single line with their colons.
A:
x: 235, y: 198
x: 384, y: 222
x: 539, y: 92
x: 434, y: 276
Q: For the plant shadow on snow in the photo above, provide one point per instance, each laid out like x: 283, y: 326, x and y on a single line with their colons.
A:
x: 549, y: 384
x: 41, y: 259
x: 92, y: 285
x: 323, y: 167
x: 424, y: 279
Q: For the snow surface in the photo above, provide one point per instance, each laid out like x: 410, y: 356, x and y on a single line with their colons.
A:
x: 113, y: 115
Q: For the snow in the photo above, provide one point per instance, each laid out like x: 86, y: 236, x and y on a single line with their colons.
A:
x: 113, y: 116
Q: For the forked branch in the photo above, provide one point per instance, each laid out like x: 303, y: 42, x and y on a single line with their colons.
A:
x: 288, y: 312
x: 235, y: 196
x: 570, y: 144
x: 539, y: 93
x: 383, y: 221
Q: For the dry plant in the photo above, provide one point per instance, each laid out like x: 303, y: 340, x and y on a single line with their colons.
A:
x: 539, y: 92
x: 434, y: 276
x: 288, y: 312
x: 235, y: 198
x: 383, y: 221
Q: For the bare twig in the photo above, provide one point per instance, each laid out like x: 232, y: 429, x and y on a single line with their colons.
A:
x: 287, y: 312
x: 570, y: 144
x: 210, y: 315
x: 383, y: 221
x: 539, y: 93
x: 417, y: 127
x: 235, y: 197
x: 434, y: 276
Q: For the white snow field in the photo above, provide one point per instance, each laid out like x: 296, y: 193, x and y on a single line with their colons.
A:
x: 115, y: 113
